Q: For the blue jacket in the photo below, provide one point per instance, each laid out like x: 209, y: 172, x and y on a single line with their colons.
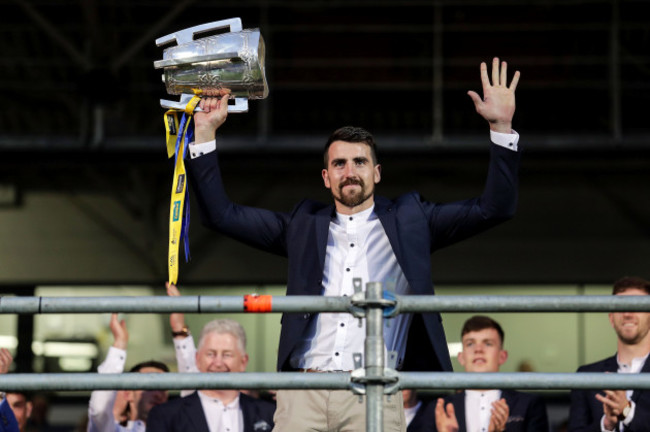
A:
x: 8, y: 421
x: 414, y: 226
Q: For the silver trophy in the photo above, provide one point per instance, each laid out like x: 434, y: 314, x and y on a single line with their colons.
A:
x: 228, y: 63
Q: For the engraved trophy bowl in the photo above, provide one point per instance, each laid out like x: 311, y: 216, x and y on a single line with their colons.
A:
x: 227, y: 63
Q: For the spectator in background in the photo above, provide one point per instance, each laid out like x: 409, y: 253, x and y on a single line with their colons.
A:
x: 618, y: 410
x: 488, y: 410
x: 420, y: 414
x: 185, y: 347
x: 222, y: 348
x: 16, y: 407
x: 106, y: 407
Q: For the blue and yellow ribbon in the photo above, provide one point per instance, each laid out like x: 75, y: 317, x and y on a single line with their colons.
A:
x: 179, y: 209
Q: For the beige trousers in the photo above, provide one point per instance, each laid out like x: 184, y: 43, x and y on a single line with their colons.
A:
x: 332, y: 411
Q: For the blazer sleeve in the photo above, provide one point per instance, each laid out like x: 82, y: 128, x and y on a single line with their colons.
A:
x: 641, y: 421
x: 536, y: 417
x: 581, y: 415
x: 260, y: 228
x: 455, y: 221
x: 158, y: 420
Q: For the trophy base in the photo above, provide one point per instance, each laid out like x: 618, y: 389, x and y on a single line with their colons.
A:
x: 240, y: 105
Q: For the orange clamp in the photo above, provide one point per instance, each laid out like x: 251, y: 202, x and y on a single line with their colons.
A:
x: 257, y: 303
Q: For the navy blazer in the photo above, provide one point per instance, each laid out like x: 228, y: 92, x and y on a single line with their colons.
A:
x: 415, y: 229
x: 586, y: 411
x: 527, y: 411
x: 186, y: 415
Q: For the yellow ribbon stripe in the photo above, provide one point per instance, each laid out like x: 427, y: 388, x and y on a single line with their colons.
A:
x: 179, y: 184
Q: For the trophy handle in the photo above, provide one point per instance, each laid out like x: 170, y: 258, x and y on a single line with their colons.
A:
x: 187, y: 35
x: 240, y: 106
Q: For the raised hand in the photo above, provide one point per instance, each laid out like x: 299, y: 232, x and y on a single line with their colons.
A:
x: 176, y: 320
x: 120, y: 333
x: 206, y: 123
x: 498, y: 103
x: 445, y: 417
x: 614, y: 402
x: 499, y: 417
x: 5, y: 360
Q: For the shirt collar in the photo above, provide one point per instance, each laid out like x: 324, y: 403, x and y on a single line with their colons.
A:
x: 634, y: 367
x: 234, y: 405
x: 362, y: 216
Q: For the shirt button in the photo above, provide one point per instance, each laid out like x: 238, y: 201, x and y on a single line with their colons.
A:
x: 336, y: 354
x: 351, y: 244
x: 351, y: 218
x: 342, y: 324
x: 347, y: 269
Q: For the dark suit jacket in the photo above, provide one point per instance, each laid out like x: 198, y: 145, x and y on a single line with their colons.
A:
x: 527, y: 411
x: 425, y: 418
x: 586, y: 410
x: 186, y: 415
x: 415, y: 229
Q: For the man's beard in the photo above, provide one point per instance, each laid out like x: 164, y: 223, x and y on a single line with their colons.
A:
x: 354, y: 199
x: 632, y: 339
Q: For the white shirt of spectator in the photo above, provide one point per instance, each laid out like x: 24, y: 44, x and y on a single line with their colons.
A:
x: 220, y: 417
x: 478, y: 409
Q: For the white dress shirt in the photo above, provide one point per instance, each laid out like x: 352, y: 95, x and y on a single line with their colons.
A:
x: 357, y: 247
x: 478, y: 409
x: 220, y: 417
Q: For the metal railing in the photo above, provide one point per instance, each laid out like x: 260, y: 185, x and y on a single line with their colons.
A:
x: 374, y: 379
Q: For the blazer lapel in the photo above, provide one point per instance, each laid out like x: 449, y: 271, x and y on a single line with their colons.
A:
x: 388, y: 219
x: 645, y: 369
x: 322, y: 227
x: 194, y: 412
x: 610, y: 364
x: 252, y: 422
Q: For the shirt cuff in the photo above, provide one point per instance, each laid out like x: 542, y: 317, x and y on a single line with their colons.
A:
x: 602, y: 426
x: 508, y: 141
x: 630, y: 415
x: 197, y: 150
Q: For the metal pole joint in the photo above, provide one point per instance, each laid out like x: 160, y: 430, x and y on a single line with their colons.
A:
x: 389, y: 379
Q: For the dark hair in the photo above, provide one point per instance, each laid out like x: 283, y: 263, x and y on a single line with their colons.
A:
x: 151, y: 363
x: 351, y: 134
x: 27, y: 394
x: 630, y: 282
x: 480, y: 322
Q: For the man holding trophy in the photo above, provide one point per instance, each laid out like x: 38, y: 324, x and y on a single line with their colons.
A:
x: 359, y: 235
